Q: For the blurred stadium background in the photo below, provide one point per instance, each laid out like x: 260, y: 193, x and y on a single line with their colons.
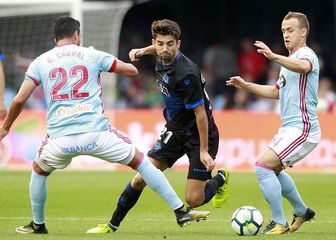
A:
x: 217, y: 35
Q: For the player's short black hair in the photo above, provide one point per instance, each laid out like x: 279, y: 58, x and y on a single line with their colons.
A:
x: 166, y: 27
x: 65, y: 26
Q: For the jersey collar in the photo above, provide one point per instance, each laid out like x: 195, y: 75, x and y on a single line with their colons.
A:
x: 161, y: 67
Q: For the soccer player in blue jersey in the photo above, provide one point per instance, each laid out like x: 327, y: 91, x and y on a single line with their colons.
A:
x: 3, y: 110
x: 190, y: 127
x: 70, y: 77
x: 300, y: 129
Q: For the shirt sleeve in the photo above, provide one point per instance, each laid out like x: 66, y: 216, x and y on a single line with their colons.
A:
x: 106, y: 61
x: 32, y: 73
x: 192, y: 91
x: 308, y: 55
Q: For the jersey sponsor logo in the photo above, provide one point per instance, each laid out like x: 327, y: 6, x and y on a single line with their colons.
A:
x: 77, y: 149
x: 281, y: 81
x: 69, y: 111
x: 163, y: 89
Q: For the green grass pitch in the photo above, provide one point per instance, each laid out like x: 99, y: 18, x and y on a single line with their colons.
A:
x: 78, y: 201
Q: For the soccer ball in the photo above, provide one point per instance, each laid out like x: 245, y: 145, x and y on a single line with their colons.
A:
x: 246, y: 220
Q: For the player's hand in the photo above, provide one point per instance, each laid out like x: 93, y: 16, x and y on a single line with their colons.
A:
x: 207, y: 161
x: 135, y: 54
x: 264, y: 49
x: 236, y: 81
x: 3, y: 133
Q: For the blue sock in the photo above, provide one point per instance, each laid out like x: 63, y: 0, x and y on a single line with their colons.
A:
x: 211, y: 187
x: 127, y: 200
x: 290, y: 192
x: 38, y: 196
x: 271, y: 189
x: 157, y: 181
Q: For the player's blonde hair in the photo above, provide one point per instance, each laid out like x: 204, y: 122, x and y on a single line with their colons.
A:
x: 302, y: 18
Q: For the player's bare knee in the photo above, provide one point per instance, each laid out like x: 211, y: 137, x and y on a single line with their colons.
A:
x: 38, y: 170
x: 138, y: 183
x: 137, y: 159
x: 194, y: 201
x: 278, y: 169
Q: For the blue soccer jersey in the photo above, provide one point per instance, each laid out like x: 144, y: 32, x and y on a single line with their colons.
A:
x: 70, y: 76
x: 298, y: 94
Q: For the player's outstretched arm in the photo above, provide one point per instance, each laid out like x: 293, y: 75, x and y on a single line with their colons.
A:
x: 295, y: 65
x: 136, y: 53
x: 260, y: 90
x: 15, y: 109
x: 126, y: 69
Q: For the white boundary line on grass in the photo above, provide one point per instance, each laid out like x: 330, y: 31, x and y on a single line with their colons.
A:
x: 102, y: 219
x: 131, y: 219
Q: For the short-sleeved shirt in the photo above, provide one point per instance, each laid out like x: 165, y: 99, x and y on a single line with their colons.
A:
x: 298, y: 94
x: 70, y: 76
x: 183, y: 88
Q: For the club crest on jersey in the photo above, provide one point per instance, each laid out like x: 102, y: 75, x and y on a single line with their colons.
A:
x: 77, y: 109
x: 165, y: 78
x: 157, y: 146
x: 281, y: 81
x: 186, y: 82
x: 163, y: 89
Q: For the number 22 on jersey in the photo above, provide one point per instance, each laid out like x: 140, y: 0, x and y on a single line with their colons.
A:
x: 63, y: 76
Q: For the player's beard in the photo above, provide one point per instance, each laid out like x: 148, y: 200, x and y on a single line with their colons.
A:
x: 166, y: 58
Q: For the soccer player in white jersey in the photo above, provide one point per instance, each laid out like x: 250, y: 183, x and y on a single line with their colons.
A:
x: 300, y: 130
x: 70, y: 77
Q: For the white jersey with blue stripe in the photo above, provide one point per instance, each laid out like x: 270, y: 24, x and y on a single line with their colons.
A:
x: 70, y: 76
x: 298, y: 94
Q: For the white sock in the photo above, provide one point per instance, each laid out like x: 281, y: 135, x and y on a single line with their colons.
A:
x: 290, y: 192
x: 271, y: 189
x: 38, y: 196
x: 157, y: 181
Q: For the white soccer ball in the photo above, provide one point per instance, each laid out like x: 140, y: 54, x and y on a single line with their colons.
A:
x: 246, y: 221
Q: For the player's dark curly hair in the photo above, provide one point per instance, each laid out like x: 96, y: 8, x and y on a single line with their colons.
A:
x: 166, y: 27
x: 65, y: 26
x: 302, y: 18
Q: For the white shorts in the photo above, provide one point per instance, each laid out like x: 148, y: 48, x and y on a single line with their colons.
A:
x: 110, y: 145
x: 292, y: 144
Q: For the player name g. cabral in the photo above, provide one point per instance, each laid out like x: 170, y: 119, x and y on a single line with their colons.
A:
x: 67, y: 53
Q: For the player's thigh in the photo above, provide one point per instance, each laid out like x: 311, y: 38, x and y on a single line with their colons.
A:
x: 292, y: 144
x: 55, y: 153
x: 196, y: 169
x: 168, y: 148
x: 162, y: 165
x: 269, y: 159
x: 298, y: 154
x: 113, y: 146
